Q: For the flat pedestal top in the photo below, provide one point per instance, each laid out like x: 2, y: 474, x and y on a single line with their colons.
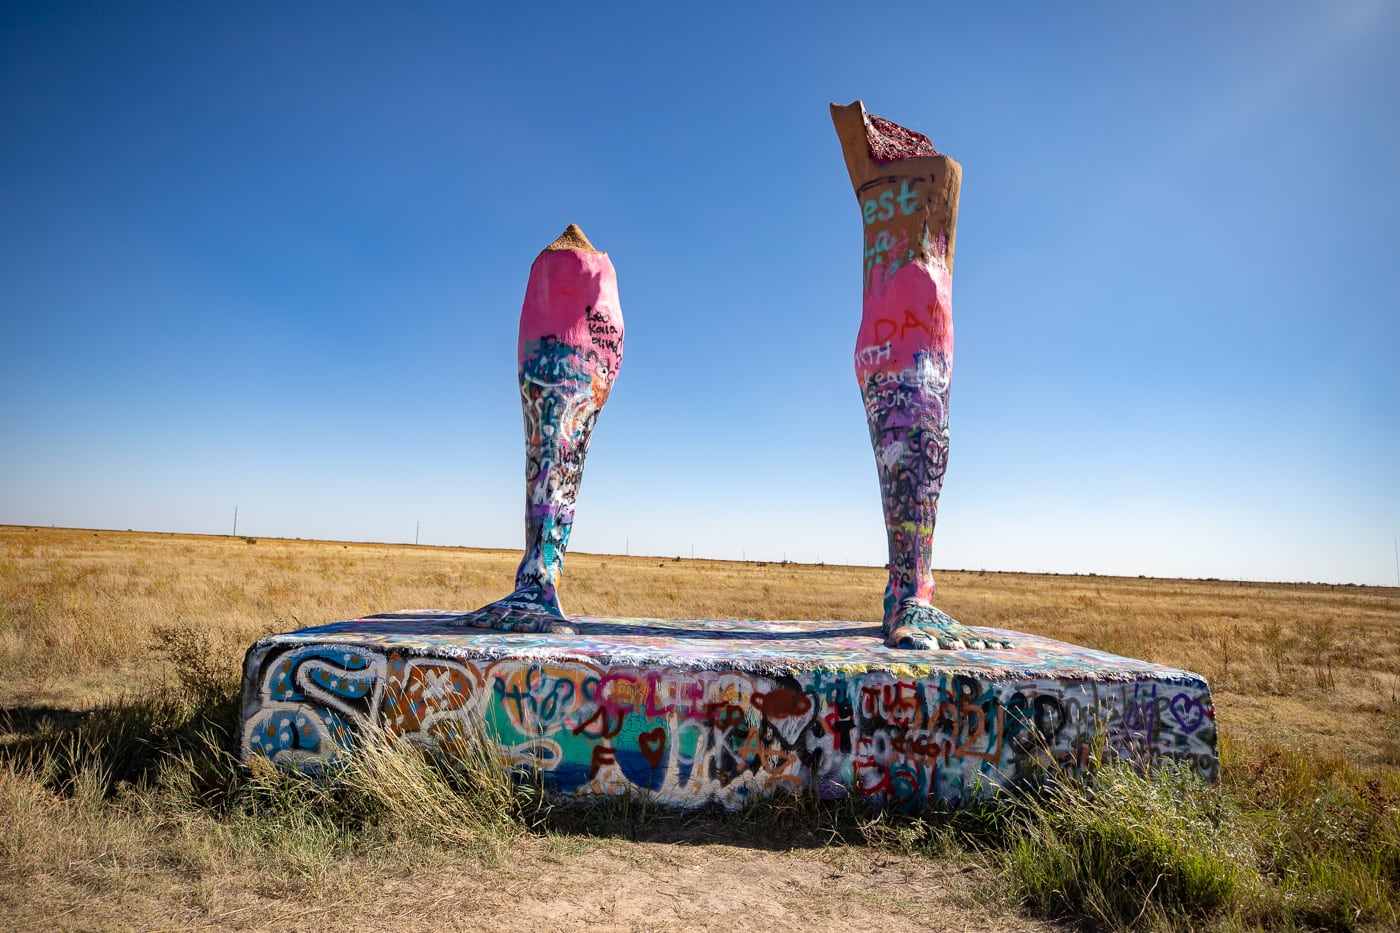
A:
x: 729, y: 644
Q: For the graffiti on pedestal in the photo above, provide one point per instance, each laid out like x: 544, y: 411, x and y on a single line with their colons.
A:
x: 686, y: 737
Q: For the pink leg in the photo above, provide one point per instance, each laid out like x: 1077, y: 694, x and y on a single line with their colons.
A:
x: 570, y: 350
x: 908, y: 195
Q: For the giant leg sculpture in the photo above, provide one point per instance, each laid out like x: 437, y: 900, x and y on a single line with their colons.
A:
x: 908, y: 195
x: 570, y: 350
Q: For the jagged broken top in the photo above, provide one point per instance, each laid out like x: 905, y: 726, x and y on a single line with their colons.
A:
x: 572, y: 238
x: 889, y: 141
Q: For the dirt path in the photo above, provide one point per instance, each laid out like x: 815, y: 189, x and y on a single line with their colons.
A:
x: 557, y: 884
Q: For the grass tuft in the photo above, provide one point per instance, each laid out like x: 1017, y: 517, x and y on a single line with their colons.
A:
x: 1326, y: 832
x: 1129, y: 849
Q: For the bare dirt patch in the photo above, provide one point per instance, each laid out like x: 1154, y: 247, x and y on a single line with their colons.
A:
x: 551, y: 885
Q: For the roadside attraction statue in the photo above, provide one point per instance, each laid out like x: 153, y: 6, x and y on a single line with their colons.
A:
x: 688, y: 712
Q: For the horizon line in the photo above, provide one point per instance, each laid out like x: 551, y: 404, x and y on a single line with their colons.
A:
x: 253, y: 539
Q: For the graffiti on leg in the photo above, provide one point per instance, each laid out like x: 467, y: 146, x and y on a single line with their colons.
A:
x: 570, y: 351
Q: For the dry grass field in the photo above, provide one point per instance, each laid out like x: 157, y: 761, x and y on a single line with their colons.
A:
x: 90, y: 617
x: 80, y: 612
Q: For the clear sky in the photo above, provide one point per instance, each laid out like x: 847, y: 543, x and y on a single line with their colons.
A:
x: 272, y: 256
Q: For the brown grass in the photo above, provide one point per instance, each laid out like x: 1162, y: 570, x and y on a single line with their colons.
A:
x: 80, y: 612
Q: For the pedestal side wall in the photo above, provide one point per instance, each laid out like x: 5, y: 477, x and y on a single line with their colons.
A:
x: 686, y: 737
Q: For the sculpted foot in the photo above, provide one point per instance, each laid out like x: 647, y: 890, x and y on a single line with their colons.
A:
x: 523, y: 611
x: 921, y: 626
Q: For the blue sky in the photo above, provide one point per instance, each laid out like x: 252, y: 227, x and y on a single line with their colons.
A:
x: 272, y: 256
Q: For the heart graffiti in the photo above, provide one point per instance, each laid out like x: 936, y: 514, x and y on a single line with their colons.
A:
x: 653, y: 745
x: 1188, y: 711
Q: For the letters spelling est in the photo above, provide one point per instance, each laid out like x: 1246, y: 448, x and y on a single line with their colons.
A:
x: 882, y: 207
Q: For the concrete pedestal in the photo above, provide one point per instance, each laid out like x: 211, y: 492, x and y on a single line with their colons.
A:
x: 689, y: 712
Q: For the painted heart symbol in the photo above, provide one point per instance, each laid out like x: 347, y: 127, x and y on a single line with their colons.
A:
x: 1188, y: 711
x: 725, y: 715
x: 653, y: 745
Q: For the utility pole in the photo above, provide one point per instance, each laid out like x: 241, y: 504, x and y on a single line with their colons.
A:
x: 415, y: 532
x: 235, y: 521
